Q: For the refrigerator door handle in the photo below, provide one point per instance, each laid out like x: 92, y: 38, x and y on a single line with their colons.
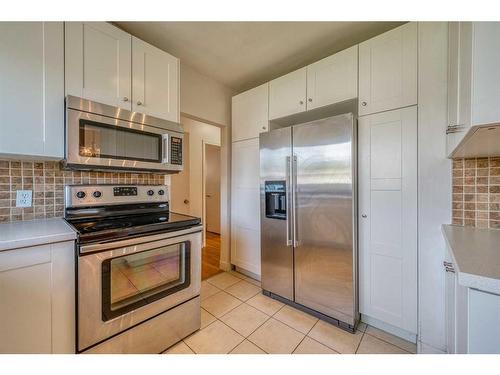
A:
x: 294, y: 203
x: 288, y: 202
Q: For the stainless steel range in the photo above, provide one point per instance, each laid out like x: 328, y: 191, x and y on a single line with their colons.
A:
x: 138, y: 268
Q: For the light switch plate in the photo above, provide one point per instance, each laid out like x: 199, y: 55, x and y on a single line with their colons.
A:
x: 23, y: 198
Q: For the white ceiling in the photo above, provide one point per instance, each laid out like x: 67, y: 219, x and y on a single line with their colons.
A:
x: 242, y: 55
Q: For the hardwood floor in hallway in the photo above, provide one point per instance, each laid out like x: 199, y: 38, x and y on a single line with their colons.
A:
x: 210, y: 256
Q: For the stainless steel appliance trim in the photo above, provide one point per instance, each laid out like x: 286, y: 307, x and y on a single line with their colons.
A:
x: 91, y: 328
x: 288, y: 202
x: 73, y: 157
x: 165, y: 149
x: 294, y: 202
x: 89, y: 106
x: 137, y: 241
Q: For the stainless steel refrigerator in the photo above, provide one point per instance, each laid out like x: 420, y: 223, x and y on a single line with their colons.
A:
x: 308, y: 217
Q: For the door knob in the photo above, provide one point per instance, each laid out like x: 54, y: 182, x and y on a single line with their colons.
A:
x: 186, y: 201
x: 139, y: 102
x: 364, y: 216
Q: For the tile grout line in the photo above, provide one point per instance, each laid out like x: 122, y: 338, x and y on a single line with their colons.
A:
x: 387, y: 342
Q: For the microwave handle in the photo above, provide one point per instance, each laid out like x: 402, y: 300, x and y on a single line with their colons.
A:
x: 165, y: 149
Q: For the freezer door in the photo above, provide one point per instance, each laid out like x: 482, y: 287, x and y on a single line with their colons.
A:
x: 325, y: 261
x: 276, y: 236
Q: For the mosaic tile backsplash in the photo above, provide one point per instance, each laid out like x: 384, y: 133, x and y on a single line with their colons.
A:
x: 476, y: 192
x: 47, y: 181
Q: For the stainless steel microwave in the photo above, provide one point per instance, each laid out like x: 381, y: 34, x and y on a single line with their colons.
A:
x: 102, y: 137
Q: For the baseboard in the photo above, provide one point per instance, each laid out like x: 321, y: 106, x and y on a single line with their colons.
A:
x: 247, y: 273
x: 423, y: 348
x: 396, y: 331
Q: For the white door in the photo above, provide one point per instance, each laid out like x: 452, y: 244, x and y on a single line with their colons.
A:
x: 287, y: 94
x: 388, y: 217
x: 388, y: 70
x: 212, y: 188
x: 32, y: 88
x: 250, y: 113
x: 333, y: 79
x: 155, y: 81
x: 245, y: 205
x: 179, y: 183
x: 98, y: 63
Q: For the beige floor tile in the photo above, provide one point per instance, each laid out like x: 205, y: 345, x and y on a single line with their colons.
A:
x: 246, y: 347
x: 372, y: 345
x: 244, y: 319
x: 237, y: 274
x: 310, y: 346
x: 179, y: 348
x: 336, y: 338
x: 296, y: 319
x: 254, y: 282
x: 243, y: 290
x: 391, y: 339
x: 207, y: 290
x: 276, y: 338
x: 223, y: 280
x: 217, y: 338
x: 206, y: 318
x: 220, y: 304
x: 265, y: 304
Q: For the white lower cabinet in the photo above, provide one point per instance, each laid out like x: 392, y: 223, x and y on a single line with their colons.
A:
x: 245, y: 205
x: 484, y: 322
x: 37, y: 299
x: 388, y: 217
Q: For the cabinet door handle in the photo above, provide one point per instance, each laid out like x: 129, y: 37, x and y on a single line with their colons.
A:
x: 139, y: 102
x: 263, y: 128
x: 447, y: 264
x: 125, y: 99
x: 310, y: 100
x: 301, y: 102
x: 364, y: 216
x: 364, y: 104
x: 449, y: 269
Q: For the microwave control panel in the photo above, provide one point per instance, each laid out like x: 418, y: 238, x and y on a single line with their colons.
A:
x: 176, y: 150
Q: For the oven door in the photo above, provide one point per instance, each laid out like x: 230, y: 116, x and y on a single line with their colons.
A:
x: 100, y: 142
x: 127, y: 282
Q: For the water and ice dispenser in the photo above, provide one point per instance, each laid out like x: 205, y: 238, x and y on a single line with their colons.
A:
x: 275, y: 199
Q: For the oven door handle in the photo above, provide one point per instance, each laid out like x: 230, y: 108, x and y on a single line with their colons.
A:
x: 165, y: 148
x: 106, y: 246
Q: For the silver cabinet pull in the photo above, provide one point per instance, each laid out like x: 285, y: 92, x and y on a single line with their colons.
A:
x: 301, y: 102
x: 288, y: 202
x: 455, y: 128
x: 310, y: 100
x: 364, y: 216
x: 186, y: 201
x: 450, y: 269
x: 364, y: 104
x: 125, y: 99
x: 447, y: 264
x: 139, y: 102
x: 263, y: 128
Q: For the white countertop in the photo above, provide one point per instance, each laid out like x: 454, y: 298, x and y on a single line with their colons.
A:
x: 476, y: 256
x: 20, y: 234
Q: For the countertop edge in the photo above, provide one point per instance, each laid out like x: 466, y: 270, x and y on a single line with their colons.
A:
x: 479, y: 282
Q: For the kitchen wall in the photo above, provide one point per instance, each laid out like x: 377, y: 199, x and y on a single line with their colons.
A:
x: 47, y: 180
x: 476, y: 192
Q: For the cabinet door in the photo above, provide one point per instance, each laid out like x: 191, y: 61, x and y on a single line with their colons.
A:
x: 245, y: 206
x: 98, y: 63
x: 388, y: 217
x: 450, y: 303
x: 32, y: 89
x: 486, y: 95
x: 333, y: 79
x: 465, y: 75
x: 287, y: 94
x: 250, y: 113
x: 388, y: 70
x: 484, y: 323
x: 155, y: 81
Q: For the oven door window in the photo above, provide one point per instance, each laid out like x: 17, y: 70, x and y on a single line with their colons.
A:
x: 135, y: 280
x: 106, y: 141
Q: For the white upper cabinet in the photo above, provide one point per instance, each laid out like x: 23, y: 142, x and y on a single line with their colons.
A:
x: 32, y: 89
x: 155, y: 81
x: 333, y: 79
x: 250, y: 113
x: 388, y: 70
x: 287, y: 94
x: 98, y: 63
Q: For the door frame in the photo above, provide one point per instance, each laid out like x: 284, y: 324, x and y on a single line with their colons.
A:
x: 203, y: 189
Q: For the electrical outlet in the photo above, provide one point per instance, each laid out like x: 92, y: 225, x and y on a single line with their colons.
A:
x: 23, y: 198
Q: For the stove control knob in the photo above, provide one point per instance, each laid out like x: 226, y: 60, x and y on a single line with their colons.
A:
x: 80, y: 194
x: 97, y: 194
x: 150, y: 192
x: 161, y: 192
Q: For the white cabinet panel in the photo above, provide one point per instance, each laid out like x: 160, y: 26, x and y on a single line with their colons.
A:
x: 37, y: 290
x: 250, y: 113
x: 388, y: 217
x: 98, y: 63
x: 155, y: 81
x: 245, y: 205
x: 388, y: 70
x: 484, y: 322
x: 287, y: 94
x: 32, y: 89
x: 333, y: 79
